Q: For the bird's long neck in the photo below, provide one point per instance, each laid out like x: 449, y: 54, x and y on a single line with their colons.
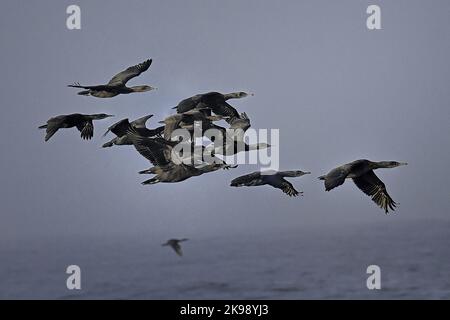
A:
x: 232, y: 95
x: 288, y: 173
x: 134, y: 89
x: 95, y: 116
x: 250, y: 147
x: 257, y: 146
x: 380, y: 164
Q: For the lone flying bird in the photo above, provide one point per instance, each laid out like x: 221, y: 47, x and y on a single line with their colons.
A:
x: 275, y: 180
x: 83, y: 122
x: 175, y: 245
x: 117, y: 85
x: 361, y: 171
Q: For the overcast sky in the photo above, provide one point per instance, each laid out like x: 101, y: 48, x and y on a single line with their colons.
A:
x: 337, y: 92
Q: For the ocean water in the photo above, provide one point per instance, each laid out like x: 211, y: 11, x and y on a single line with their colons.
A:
x: 312, y: 264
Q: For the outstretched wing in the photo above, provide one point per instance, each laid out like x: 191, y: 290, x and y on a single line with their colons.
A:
x: 335, y: 178
x: 86, y: 129
x: 177, y: 248
x: 123, y: 77
x: 288, y: 188
x: 153, y: 149
x: 53, y: 125
x: 171, y: 123
x: 189, y: 103
x: 243, y: 122
x: 226, y: 110
x: 156, y: 132
x: 140, y: 123
x: 251, y: 179
x: 279, y: 182
x: 119, y: 128
x: 371, y: 185
x: 95, y: 88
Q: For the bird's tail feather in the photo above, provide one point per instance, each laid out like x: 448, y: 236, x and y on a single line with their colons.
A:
x: 150, y: 181
x: 147, y: 171
x: 107, y: 144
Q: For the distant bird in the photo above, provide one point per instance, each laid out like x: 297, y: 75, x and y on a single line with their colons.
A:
x: 83, y: 122
x: 121, y: 127
x: 117, y: 85
x: 274, y: 179
x: 175, y: 245
x: 361, y: 171
x: 216, y: 101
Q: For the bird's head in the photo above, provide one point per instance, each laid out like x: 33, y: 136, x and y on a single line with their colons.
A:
x: 243, y: 94
x: 262, y: 145
x: 237, y: 95
x: 299, y: 173
x: 234, y: 184
x: 143, y: 88
x: 394, y: 164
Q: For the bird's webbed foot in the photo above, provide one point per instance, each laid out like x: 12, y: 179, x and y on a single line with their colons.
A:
x: 228, y: 167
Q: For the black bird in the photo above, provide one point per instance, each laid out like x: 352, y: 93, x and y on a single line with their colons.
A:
x: 274, y: 179
x: 215, y: 101
x: 121, y: 127
x: 83, y: 122
x: 361, y: 172
x: 175, y: 245
x: 117, y: 85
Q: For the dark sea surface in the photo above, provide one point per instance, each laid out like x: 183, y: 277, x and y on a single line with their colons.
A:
x: 326, y: 264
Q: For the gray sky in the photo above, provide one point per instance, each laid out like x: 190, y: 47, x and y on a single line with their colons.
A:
x: 337, y: 92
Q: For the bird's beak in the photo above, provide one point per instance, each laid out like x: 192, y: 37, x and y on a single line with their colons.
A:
x: 307, y: 172
x: 162, y: 122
